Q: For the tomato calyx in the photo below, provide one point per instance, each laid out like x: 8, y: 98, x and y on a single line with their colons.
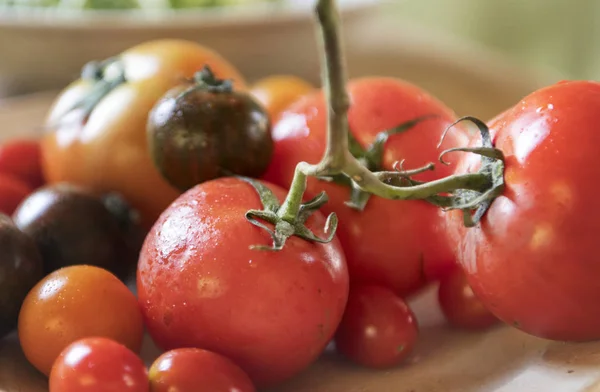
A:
x: 372, y: 158
x: 105, y: 76
x: 475, y: 203
x: 287, y: 224
x: 205, y: 79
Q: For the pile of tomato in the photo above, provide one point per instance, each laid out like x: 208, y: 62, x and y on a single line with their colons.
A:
x: 145, y: 173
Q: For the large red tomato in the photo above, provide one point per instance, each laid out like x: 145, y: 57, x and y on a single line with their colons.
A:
x: 200, y: 285
x: 391, y: 243
x: 532, y: 260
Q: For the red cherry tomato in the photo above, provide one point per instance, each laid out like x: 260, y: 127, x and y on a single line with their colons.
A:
x: 200, y: 285
x: 196, y: 370
x: 98, y: 365
x: 394, y: 244
x: 21, y: 159
x: 12, y: 192
x: 533, y: 259
x: 460, y: 305
x: 378, y: 330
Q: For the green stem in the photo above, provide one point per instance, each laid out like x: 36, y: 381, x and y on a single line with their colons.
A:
x: 291, y: 205
x: 334, y: 78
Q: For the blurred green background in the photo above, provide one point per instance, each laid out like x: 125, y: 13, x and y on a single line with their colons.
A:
x: 560, y: 36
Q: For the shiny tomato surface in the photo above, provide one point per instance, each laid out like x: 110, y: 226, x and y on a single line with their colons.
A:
x: 74, y: 303
x: 98, y: 364
x: 532, y: 260
x: 397, y: 244
x: 200, y: 285
x: 196, y: 370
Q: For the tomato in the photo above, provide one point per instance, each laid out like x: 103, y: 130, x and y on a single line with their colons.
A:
x: 107, y: 149
x: 277, y: 92
x: 196, y: 370
x: 20, y: 270
x: 72, y: 226
x: 12, y: 192
x: 390, y: 243
x: 378, y: 330
x: 460, y: 305
x: 74, y: 303
x: 20, y: 158
x: 532, y: 259
x: 200, y: 285
x: 98, y: 364
x: 224, y: 132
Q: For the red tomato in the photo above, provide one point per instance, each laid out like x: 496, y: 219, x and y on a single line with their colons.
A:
x: 98, y: 365
x: 12, y: 192
x: 532, y: 259
x: 378, y: 329
x: 21, y: 159
x: 200, y: 285
x: 390, y: 243
x: 460, y: 305
x: 196, y: 370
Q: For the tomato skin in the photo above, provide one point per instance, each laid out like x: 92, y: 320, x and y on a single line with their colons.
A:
x: 12, y: 192
x: 277, y: 92
x: 460, y: 306
x: 199, y: 284
x: 98, y: 364
x: 532, y: 259
x: 397, y: 244
x: 20, y: 158
x: 227, y: 132
x: 109, y: 152
x: 74, y: 303
x: 378, y: 330
x: 196, y: 370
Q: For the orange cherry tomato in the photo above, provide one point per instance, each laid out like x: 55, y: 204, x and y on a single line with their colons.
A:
x: 98, y: 123
x: 98, y: 365
x: 279, y: 91
x: 74, y: 303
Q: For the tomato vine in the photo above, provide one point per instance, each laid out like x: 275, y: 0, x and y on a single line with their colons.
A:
x: 472, y: 193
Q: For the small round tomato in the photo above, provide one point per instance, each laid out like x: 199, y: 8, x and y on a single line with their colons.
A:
x: 390, y: 243
x: 21, y: 159
x: 98, y: 123
x: 196, y: 370
x: 378, y: 330
x: 72, y: 226
x: 460, y: 305
x: 98, y: 364
x: 277, y: 92
x: 204, y: 129
x: 200, y: 285
x: 532, y: 260
x: 71, y: 304
x: 12, y: 192
x: 20, y: 270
